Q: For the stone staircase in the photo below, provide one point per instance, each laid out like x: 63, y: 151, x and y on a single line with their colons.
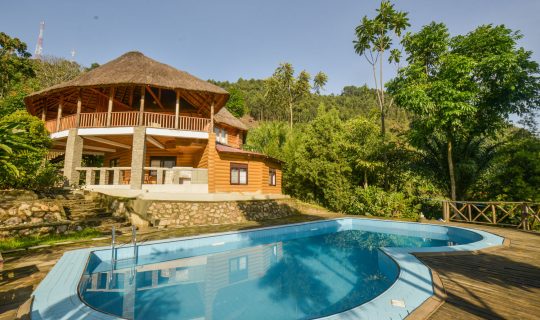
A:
x: 86, y: 211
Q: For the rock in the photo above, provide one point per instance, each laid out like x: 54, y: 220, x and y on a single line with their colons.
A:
x: 13, y: 221
x: 36, y: 220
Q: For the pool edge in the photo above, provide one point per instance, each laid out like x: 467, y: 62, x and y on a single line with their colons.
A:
x: 74, y: 306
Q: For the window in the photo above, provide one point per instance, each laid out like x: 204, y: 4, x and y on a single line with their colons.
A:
x: 161, y: 162
x: 272, y: 177
x: 239, y: 173
x: 221, y: 135
x: 238, y: 269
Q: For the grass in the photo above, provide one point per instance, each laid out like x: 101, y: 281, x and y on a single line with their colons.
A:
x: 30, y: 241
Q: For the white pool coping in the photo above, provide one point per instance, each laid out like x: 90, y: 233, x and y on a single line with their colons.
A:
x: 57, y: 297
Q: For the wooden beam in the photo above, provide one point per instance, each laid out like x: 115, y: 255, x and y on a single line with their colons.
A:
x: 109, y: 142
x: 59, y: 113
x: 110, y: 106
x: 106, y: 96
x: 79, y: 108
x: 155, y: 98
x: 155, y: 142
x: 141, y: 108
x: 177, y: 110
x: 89, y: 147
x: 212, y: 117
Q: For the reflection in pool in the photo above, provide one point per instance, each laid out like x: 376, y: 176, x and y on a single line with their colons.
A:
x: 304, y: 276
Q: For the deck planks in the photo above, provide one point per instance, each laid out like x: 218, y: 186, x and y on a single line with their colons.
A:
x: 499, y: 284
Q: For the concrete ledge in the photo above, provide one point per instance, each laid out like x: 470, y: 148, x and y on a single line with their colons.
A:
x: 195, y: 197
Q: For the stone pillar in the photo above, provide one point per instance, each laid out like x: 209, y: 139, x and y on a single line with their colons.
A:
x: 102, y: 176
x: 116, y: 176
x: 73, y: 157
x: 138, y: 151
x: 90, y: 176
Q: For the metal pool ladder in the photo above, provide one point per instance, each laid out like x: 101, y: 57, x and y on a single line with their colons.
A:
x: 113, y: 251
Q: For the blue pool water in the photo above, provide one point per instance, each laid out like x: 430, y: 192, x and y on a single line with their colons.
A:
x: 284, y: 273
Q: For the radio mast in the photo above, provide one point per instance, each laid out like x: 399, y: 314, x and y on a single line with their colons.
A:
x: 39, y: 45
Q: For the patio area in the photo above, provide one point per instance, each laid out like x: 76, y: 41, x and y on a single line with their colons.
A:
x: 477, y: 284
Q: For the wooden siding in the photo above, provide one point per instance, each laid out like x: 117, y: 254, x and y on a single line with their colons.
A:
x: 219, y: 175
x: 218, y: 165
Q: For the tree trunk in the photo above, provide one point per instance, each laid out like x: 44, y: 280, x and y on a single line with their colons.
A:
x: 365, y: 180
x: 383, y: 127
x: 451, y: 172
x: 291, y: 114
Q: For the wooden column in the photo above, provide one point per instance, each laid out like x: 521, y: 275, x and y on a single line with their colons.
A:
x: 177, y: 110
x: 44, y: 114
x: 211, y: 129
x: 79, y: 107
x: 59, y: 114
x: 141, y: 109
x: 110, y: 107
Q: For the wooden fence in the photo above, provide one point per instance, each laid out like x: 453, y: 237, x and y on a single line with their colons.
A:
x: 523, y: 215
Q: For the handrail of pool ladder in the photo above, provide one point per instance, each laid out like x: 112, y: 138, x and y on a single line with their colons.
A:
x: 113, y: 238
x: 114, y: 248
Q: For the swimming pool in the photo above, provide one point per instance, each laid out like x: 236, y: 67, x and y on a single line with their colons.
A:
x: 337, y: 269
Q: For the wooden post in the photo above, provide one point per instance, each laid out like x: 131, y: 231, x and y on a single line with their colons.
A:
x: 469, y: 211
x: 59, y: 113
x: 110, y: 107
x: 494, y: 213
x: 141, y: 109
x: 177, y: 110
x: 525, y: 216
x: 211, y: 129
x: 44, y: 114
x: 446, y: 211
x: 79, y: 107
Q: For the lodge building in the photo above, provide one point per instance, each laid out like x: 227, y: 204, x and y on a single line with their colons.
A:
x: 157, y: 129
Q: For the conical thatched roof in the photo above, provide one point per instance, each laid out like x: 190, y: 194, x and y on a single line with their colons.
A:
x: 134, y: 68
x: 225, y: 117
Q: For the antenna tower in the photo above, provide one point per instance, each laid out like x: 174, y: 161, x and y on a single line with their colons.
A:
x: 39, y: 45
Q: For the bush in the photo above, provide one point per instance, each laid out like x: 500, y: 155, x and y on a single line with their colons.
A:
x: 374, y: 201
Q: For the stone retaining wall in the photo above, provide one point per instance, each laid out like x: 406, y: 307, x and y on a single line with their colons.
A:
x: 23, y: 213
x: 186, y: 214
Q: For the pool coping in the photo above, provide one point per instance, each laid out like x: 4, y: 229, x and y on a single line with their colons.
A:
x: 56, y: 297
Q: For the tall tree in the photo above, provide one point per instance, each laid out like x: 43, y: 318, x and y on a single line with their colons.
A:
x: 374, y: 39
x: 284, y: 90
x: 15, y: 64
x: 466, y: 86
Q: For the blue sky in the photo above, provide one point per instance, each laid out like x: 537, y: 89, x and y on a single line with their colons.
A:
x: 225, y: 40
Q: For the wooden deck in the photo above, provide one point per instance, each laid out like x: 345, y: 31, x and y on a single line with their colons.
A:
x: 498, y: 284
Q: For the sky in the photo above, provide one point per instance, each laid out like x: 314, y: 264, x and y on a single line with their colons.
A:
x: 226, y: 40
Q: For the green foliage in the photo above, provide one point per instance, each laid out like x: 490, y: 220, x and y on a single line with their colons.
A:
x: 514, y: 174
x: 15, y: 65
x: 284, y: 91
x: 461, y: 90
x: 28, y: 143
x: 236, y: 104
x: 30, y: 241
x: 53, y: 70
x: 269, y: 138
x: 343, y: 165
x: 374, y: 38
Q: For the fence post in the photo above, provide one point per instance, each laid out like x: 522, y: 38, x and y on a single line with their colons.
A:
x: 446, y: 211
x: 525, y: 216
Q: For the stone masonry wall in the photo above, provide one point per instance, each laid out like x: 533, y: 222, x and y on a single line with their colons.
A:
x: 22, y: 213
x: 186, y: 214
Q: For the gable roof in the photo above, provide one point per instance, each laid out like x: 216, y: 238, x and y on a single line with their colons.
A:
x: 224, y: 116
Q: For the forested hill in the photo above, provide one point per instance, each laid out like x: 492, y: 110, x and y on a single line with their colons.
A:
x: 248, y: 97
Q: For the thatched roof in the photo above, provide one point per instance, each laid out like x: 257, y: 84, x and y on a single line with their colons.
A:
x: 134, y: 68
x: 225, y: 117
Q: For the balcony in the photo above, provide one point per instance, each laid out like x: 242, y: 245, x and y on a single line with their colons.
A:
x: 129, y: 119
